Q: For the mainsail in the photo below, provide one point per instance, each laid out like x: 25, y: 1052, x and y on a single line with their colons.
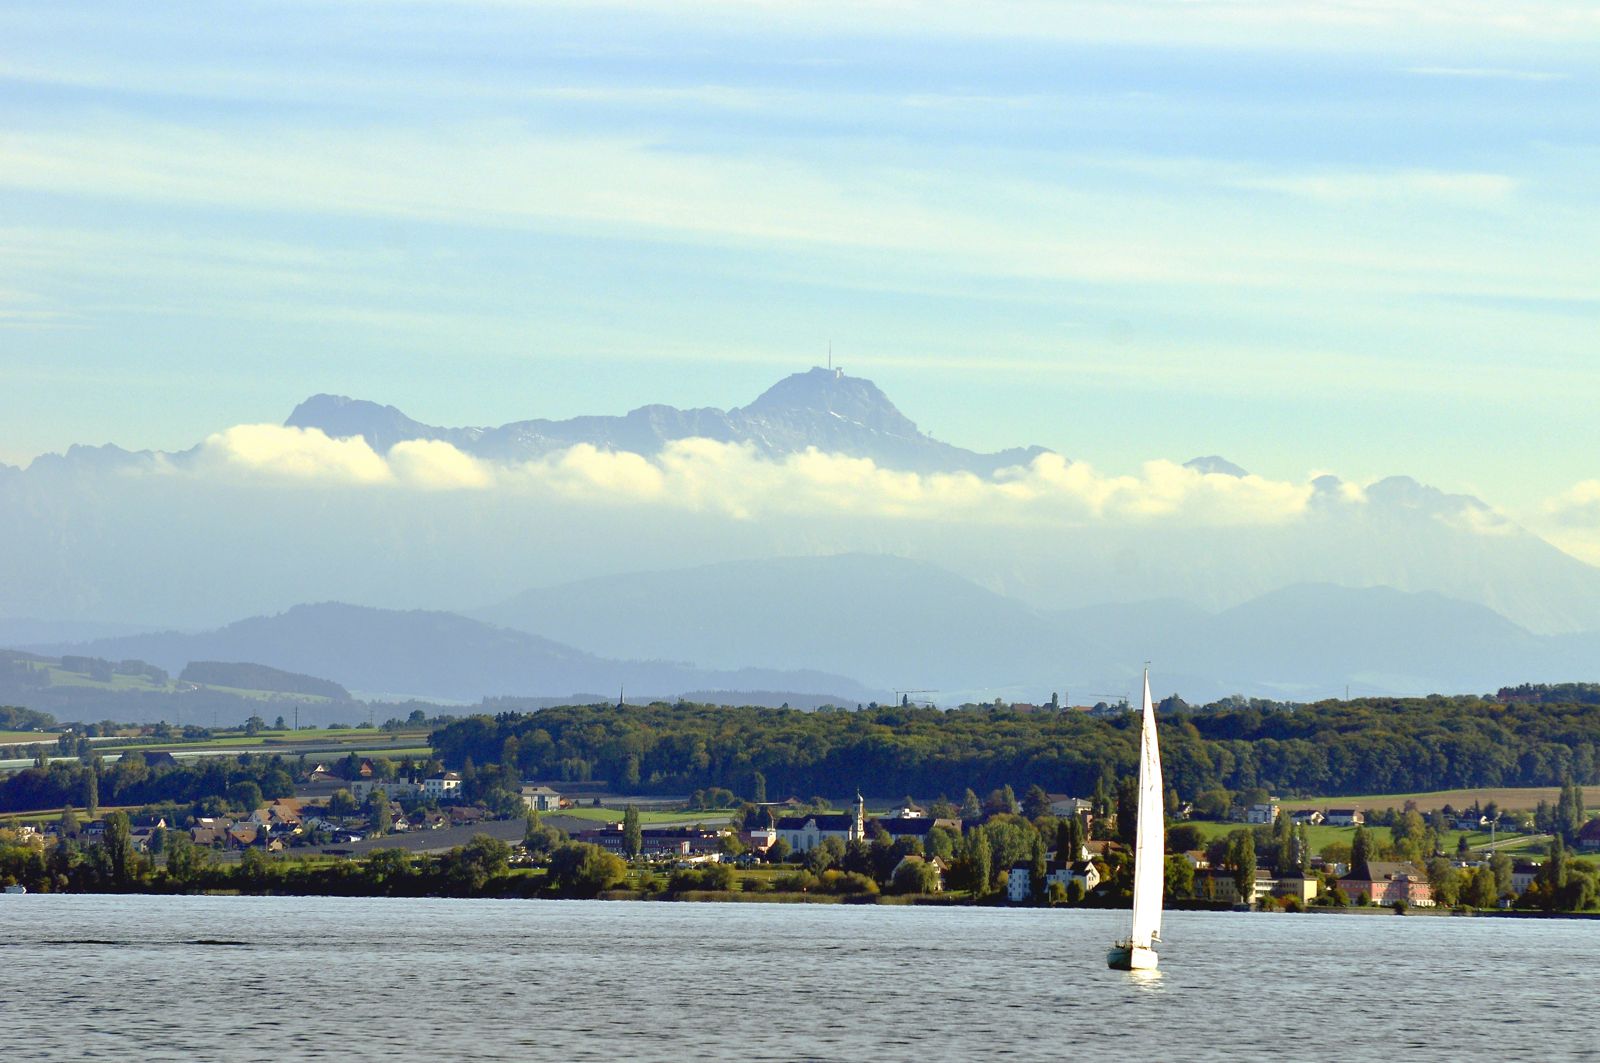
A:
x: 1149, y: 846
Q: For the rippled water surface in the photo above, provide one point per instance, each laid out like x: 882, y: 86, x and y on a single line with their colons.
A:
x: 241, y: 978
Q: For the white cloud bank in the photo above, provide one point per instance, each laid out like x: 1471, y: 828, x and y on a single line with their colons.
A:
x: 1571, y: 520
x: 733, y: 480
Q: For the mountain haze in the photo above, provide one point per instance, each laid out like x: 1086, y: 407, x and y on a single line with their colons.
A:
x: 439, y: 655
x: 900, y: 624
x: 834, y: 550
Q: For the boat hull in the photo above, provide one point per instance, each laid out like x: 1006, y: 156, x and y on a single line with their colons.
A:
x: 1131, y: 958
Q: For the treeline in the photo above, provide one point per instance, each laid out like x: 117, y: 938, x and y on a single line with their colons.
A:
x: 112, y: 865
x: 223, y: 781
x: 246, y: 676
x: 1380, y: 745
x: 16, y: 718
x: 1552, y: 693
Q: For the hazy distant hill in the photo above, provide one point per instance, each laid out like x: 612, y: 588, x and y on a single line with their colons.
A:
x: 903, y: 624
x: 92, y: 688
x: 892, y: 622
x: 442, y: 655
x: 820, y: 408
x: 247, y: 676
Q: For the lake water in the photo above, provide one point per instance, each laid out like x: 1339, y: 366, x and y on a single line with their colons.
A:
x: 242, y: 978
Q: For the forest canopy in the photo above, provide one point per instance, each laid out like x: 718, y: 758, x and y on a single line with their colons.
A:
x: 1379, y: 745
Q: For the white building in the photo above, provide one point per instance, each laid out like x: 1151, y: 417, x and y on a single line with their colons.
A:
x: 804, y: 833
x: 441, y: 786
x: 1019, y: 886
x: 1266, y: 812
x: 541, y: 798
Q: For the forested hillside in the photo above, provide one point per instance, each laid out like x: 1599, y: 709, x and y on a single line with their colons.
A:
x: 1370, y: 746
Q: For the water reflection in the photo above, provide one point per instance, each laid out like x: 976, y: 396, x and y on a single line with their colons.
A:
x: 1146, y: 981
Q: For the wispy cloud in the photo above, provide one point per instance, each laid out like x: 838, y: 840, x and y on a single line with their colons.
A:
x: 1476, y: 189
x: 1486, y: 73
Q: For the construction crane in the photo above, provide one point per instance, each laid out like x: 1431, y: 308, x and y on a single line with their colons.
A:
x: 903, y: 697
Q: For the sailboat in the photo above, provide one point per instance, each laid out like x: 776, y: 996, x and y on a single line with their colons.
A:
x: 1137, y: 952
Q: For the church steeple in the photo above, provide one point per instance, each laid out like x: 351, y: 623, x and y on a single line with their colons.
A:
x: 860, y: 832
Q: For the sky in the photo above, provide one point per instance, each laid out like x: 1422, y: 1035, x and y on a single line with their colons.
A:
x: 1357, y: 237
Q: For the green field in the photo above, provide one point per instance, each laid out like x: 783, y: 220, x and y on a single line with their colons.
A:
x: 1507, y: 797
x: 25, y: 738
x: 60, y: 677
x: 356, y: 738
x: 1321, y: 835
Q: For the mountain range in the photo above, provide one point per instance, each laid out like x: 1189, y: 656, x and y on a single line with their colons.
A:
x: 821, y: 408
x: 1391, y: 586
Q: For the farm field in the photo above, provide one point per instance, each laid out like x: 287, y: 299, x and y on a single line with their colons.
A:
x: 1507, y: 797
x: 61, y: 677
x: 1320, y: 835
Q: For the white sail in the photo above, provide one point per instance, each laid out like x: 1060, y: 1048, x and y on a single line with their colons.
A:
x: 1149, y: 847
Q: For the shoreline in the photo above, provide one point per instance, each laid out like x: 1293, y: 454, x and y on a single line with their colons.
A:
x: 859, y: 900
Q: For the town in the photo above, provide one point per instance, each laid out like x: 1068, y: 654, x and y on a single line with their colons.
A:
x: 411, y: 826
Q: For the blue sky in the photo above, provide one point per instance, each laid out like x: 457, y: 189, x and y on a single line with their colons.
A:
x: 1347, y: 236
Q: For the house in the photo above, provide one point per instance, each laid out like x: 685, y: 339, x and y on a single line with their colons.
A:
x: 1589, y: 835
x: 1217, y: 884
x: 1305, y: 887
x: 242, y: 835
x: 1388, y: 882
x: 541, y: 798
x: 1345, y: 817
x: 1306, y: 817
x: 159, y: 758
x: 209, y: 831
x: 442, y: 786
x: 759, y: 839
x: 1019, y: 885
x: 804, y: 833
x: 1523, y: 872
x: 1061, y: 806
x: 1197, y: 859
x: 1265, y: 812
x: 361, y: 789
x: 1471, y: 822
x: 654, y: 842
x: 283, y: 813
x: 914, y: 827
x: 466, y: 815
